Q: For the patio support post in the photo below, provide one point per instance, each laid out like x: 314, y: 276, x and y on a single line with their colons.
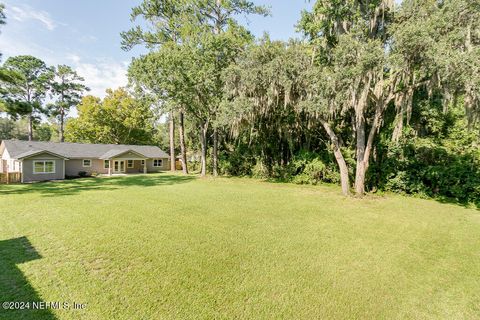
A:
x: 109, y: 167
x: 145, y: 166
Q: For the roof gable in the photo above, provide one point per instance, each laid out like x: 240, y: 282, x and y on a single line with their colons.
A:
x: 32, y: 153
x: 116, y: 152
x: 2, y: 148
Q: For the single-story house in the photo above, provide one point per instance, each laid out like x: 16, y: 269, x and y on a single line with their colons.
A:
x: 41, y: 161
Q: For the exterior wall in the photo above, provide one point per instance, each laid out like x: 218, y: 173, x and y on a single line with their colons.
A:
x: 4, y: 159
x: 74, y: 166
x: 137, y: 167
x: 29, y: 176
x: 5, y: 155
x: 165, y: 165
x: 14, y: 166
x: 2, y: 147
x: 7, y: 163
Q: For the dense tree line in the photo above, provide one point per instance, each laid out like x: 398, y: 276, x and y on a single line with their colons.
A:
x: 379, y: 96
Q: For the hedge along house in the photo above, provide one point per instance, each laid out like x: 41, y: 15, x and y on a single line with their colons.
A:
x: 41, y: 161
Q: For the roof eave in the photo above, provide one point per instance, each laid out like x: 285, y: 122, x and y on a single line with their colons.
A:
x: 123, y: 152
x: 42, y: 151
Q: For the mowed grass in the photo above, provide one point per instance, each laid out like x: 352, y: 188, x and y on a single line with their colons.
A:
x: 172, y: 247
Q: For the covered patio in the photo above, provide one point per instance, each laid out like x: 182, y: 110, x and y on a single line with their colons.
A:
x: 125, y: 162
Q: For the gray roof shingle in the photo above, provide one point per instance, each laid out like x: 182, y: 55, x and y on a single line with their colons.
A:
x: 79, y: 150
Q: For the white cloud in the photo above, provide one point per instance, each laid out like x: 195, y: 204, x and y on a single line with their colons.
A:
x: 14, y: 45
x: 74, y: 58
x: 101, y: 75
x: 24, y: 12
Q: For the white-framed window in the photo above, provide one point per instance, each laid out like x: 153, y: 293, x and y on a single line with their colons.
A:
x: 143, y: 162
x: 129, y: 163
x: 106, y: 164
x: 157, y: 162
x: 43, y: 166
x: 86, y: 163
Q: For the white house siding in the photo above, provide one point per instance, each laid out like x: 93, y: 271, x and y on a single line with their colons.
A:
x: 8, y: 164
x: 4, y: 159
x: 14, y: 166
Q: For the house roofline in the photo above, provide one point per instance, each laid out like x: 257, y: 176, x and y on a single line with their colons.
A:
x: 123, y: 152
x: 20, y: 157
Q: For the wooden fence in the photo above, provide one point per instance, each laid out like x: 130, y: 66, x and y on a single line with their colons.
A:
x: 11, y: 177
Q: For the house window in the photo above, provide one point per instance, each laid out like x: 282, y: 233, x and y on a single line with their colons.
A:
x: 143, y: 162
x: 106, y: 164
x: 87, y: 163
x: 157, y: 162
x: 129, y: 163
x: 44, y: 166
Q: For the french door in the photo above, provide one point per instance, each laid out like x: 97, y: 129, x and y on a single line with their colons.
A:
x: 118, y: 166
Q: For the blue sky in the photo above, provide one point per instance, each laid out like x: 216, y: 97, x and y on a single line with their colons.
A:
x: 85, y: 34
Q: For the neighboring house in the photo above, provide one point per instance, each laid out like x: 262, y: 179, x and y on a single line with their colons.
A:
x: 40, y: 161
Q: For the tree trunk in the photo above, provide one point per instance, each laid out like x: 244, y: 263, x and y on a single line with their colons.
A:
x: 342, y: 165
x: 469, y: 98
x: 183, y: 149
x: 364, y: 148
x: 469, y: 107
x: 30, y: 127
x: 215, y: 152
x: 203, y: 141
x: 172, y: 142
x: 61, y: 131
x: 404, y: 108
x: 360, y: 152
x: 398, y: 122
x: 360, y: 107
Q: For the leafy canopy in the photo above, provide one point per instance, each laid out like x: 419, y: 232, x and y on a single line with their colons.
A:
x: 29, y: 80
x: 118, y: 118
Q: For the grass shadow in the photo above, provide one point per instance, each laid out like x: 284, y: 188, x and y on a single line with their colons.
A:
x: 14, y: 286
x: 469, y: 205
x: 72, y: 187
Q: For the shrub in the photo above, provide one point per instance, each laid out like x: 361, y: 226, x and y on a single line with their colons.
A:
x: 311, y: 168
x: 259, y: 170
x: 422, y: 166
x: 82, y: 174
x: 236, y: 164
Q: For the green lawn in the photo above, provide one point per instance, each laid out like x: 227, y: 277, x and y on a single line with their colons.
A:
x: 172, y: 247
